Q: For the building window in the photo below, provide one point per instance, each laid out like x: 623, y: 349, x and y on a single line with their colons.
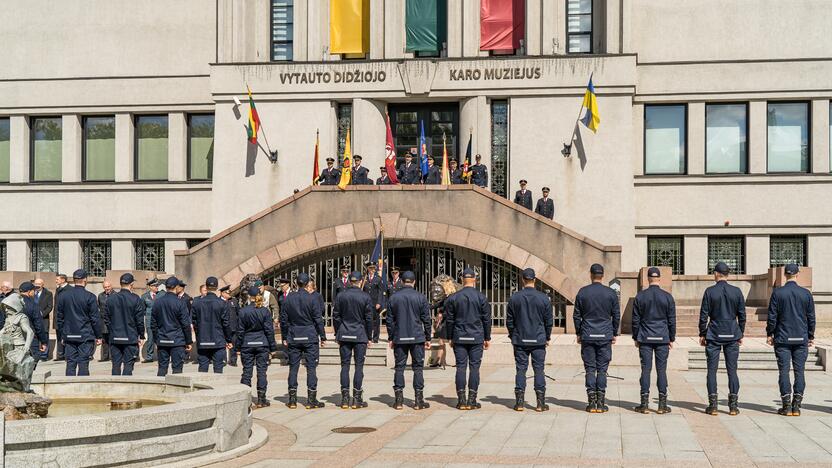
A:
x: 499, y: 148
x: 5, y: 141
x: 97, y: 256
x: 726, y: 138
x: 282, y: 29
x: 787, y: 249
x: 45, y: 255
x: 194, y: 242
x: 3, y: 256
x: 730, y: 250
x: 99, y: 151
x: 150, y: 255
x: 665, y: 139
x: 46, y: 149
x: 788, y: 137
x: 200, y: 147
x: 579, y: 26
x: 666, y: 252
x: 344, y: 124
x: 151, y: 147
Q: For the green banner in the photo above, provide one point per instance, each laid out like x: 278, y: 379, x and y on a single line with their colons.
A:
x: 427, y: 25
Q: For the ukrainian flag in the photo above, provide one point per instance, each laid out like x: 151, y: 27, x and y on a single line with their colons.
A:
x: 591, y: 119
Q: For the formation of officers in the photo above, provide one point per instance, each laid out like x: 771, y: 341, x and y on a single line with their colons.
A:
x: 408, y: 173
x: 221, y: 324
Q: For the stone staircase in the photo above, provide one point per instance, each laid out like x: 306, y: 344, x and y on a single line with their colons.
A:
x: 687, y: 320
x: 330, y: 355
x: 752, y: 359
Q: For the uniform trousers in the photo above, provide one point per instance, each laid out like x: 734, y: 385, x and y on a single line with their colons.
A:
x: 149, y: 346
x: 215, y: 356
x: 259, y: 357
x: 350, y: 351
x: 232, y: 353
x: 416, y: 351
x: 521, y: 364
x: 596, y: 357
x: 468, y: 359
x: 791, y: 356
x: 376, y: 325
x: 175, y: 355
x: 310, y: 352
x: 123, y: 357
x: 646, y: 352
x: 78, y: 357
x: 731, y: 350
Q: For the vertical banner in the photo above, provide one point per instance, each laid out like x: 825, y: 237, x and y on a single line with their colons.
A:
x: 426, y: 25
x: 502, y: 24
x: 349, y: 26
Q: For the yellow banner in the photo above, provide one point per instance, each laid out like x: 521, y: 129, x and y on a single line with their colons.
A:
x: 349, y: 26
x: 346, y: 165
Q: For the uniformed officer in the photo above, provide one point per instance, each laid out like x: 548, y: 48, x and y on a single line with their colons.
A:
x: 352, y: 318
x: 395, y: 284
x: 373, y: 286
x: 149, y: 297
x: 233, y: 313
x: 434, y: 175
x: 32, y: 312
x: 124, y: 315
x: 654, y: 331
x: 384, y: 179
x: 341, y: 283
x: 254, y: 342
x: 468, y: 321
x: 479, y: 173
x: 545, y: 206
x: 529, y: 321
x: 523, y: 197
x: 409, y: 332
x: 791, y: 330
x: 456, y: 173
x: 170, y: 323
x: 302, y: 331
x: 596, y: 318
x: 78, y: 322
x: 330, y: 175
x: 360, y: 174
x: 721, y: 328
x: 409, y: 172
x: 284, y: 286
x: 212, y: 328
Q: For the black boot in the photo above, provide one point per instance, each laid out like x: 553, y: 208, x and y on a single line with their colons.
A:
x: 592, y: 402
x: 472, y: 400
x: 786, y: 410
x: 644, y: 407
x: 519, y: 400
x: 541, y: 401
x: 461, y: 402
x: 358, y: 399
x: 312, y: 400
x: 419, y: 402
x: 399, y: 403
x: 663, y: 408
x: 293, y: 398
x: 733, y: 410
x: 345, y: 398
x: 602, y: 402
x: 796, y: 401
x: 262, y: 401
x: 712, y: 404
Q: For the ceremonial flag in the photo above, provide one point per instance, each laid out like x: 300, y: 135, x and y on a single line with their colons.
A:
x: 378, y: 257
x: 446, y: 171
x: 591, y: 119
x: 315, y: 171
x: 390, y: 152
x: 346, y: 166
x: 423, y: 151
x: 466, y: 166
x: 349, y: 26
x: 253, y: 119
x: 502, y: 24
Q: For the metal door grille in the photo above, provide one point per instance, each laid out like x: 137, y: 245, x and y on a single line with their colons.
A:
x: 787, y: 249
x: 730, y: 250
x: 666, y: 251
x: 45, y: 255
x: 97, y: 256
x: 150, y: 255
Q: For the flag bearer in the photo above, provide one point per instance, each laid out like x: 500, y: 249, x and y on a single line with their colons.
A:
x: 124, y: 314
x: 352, y: 318
x: 255, y: 340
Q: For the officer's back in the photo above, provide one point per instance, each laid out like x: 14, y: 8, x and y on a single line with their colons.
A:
x: 529, y: 317
x: 791, y: 314
x: 79, y: 309
x: 299, y: 320
x: 254, y: 328
x: 353, y: 315
x: 598, y: 309
x: 125, y: 312
x: 172, y: 320
x: 211, y: 320
x: 469, y: 316
x: 722, y: 312
x: 406, y: 315
x: 655, y: 312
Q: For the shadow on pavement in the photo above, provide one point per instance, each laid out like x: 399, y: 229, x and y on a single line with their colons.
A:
x: 494, y: 400
x: 387, y: 399
x: 443, y: 400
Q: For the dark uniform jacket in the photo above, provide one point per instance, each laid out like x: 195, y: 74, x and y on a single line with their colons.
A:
x: 124, y: 316
x: 545, y: 208
x: 722, y: 315
x: 479, y: 175
x: 373, y: 287
x: 456, y: 176
x: 170, y: 321
x: 352, y: 316
x: 523, y: 199
x: 301, y: 318
x: 233, y: 313
x: 45, y: 303
x: 383, y: 180
x: 77, y: 316
x: 31, y: 310
x: 330, y: 176
x: 408, y: 317
x: 791, y: 315
x: 529, y: 318
x: 255, y: 328
x: 102, y: 306
x: 468, y: 317
x: 394, y: 286
x: 58, y: 292
x: 360, y: 176
x: 211, y: 322
x: 410, y: 174
x: 597, y: 313
x: 654, y: 316
x: 339, y: 285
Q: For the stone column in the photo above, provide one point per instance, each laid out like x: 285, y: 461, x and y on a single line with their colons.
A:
x: 820, y: 247
x: 369, y: 133
x: 71, y: 140
x: 69, y: 255
x: 171, y: 246
x: 394, y: 35
x: 638, y: 139
x: 125, y: 144
x: 696, y: 138
x: 613, y: 27
x: 301, y: 40
x: 533, y: 27
x: 177, y: 147
x: 696, y: 255
x: 758, y: 125
x: 757, y: 254
x: 475, y: 114
x: 377, y: 30
x: 17, y: 255
x: 820, y: 136
x: 122, y: 254
x: 19, y: 149
x: 455, y: 28
x: 471, y: 28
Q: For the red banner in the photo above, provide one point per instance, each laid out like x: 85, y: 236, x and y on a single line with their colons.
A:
x: 502, y: 24
x: 390, y: 155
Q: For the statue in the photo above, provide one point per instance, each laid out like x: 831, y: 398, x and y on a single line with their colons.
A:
x: 16, y: 361
x: 440, y: 288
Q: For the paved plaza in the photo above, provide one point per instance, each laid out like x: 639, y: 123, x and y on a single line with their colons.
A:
x: 563, y: 436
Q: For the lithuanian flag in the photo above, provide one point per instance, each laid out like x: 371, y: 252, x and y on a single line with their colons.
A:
x: 253, y: 119
x: 346, y: 166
